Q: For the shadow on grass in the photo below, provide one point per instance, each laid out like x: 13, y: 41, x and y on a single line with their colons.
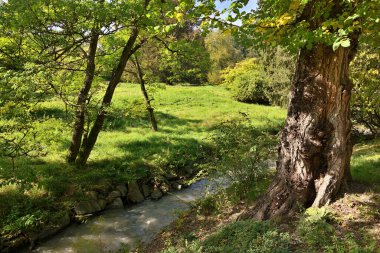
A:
x: 365, y: 163
x: 157, y: 155
x: 53, y: 112
x: 120, y: 122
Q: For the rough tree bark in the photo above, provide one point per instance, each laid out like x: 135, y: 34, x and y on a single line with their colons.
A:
x: 89, y: 142
x: 315, y: 147
x: 149, y: 107
x: 79, y: 122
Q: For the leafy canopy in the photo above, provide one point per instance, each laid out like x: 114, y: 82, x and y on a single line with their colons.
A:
x: 289, y: 23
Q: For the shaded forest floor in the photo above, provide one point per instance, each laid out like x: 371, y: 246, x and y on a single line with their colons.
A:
x: 350, y: 224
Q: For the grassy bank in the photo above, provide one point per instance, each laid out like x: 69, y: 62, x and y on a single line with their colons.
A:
x: 38, y: 190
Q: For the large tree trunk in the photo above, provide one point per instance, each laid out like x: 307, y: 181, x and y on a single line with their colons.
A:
x: 90, y: 141
x: 315, y: 147
x: 79, y: 122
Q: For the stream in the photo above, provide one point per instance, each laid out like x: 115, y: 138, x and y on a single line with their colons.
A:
x: 135, y: 224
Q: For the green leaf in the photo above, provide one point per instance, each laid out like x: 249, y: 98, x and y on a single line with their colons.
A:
x: 345, y: 43
x: 336, y: 44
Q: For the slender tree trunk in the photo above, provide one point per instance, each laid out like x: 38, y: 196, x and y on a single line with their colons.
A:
x: 79, y: 122
x: 90, y: 141
x: 315, y: 147
x: 149, y: 107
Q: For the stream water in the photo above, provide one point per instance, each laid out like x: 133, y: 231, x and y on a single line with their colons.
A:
x: 130, y: 226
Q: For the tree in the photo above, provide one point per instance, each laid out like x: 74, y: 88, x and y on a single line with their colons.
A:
x: 278, y: 67
x: 178, y: 57
x: 315, y: 147
x: 147, y: 100
x: 223, y: 52
x: 187, y: 61
x: 74, y: 39
x: 18, y: 124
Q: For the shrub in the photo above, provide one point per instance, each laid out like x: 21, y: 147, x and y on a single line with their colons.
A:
x: 243, y: 153
x: 246, y: 81
x: 265, y: 79
x: 278, y: 67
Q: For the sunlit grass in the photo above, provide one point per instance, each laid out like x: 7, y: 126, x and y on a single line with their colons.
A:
x: 365, y: 162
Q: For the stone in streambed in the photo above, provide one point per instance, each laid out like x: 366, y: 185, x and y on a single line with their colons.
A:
x: 156, y: 194
x: 134, y: 193
x: 87, y: 207
x: 171, y: 176
x: 102, y: 203
x: 164, y: 187
x: 145, y: 190
x: 92, y: 195
x: 176, y: 186
x: 113, y: 195
x: 116, y: 204
x: 48, y: 231
x: 122, y: 189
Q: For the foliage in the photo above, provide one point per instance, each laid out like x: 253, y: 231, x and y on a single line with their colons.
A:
x: 19, y: 127
x: 26, y: 210
x: 365, y: 101
x: 278, y: 67
x: 243, y: 236
x: 284, y: 23
x: 187, y: 62
x: 207, y: 206
x: 246, y: 81
x: 224, y: 53
x: 265, y: 78
x: 173, y: 61
x: 247, y: 236
x: 243, y: 152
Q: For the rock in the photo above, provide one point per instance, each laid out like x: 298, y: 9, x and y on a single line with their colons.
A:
x: 122, y: 188
x: 92, y: 195
x: 113, y: 195
x: 171, y: 176
x: 14, y: 243
x: 156, y: 194
x: 53, y: 229
x: 103, y: 187
x: 134, y: 193
x: 176, y: 186
x: 145, y: 190
x: 87, y: 207
x: 189, y: 170
x: 165, y: 187
x: 116, y: 204
x: 64, y: 220
x: 102, y: 203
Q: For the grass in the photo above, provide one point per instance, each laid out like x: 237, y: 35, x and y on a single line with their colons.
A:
x: 126, y: 149
x: 365, y: 162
